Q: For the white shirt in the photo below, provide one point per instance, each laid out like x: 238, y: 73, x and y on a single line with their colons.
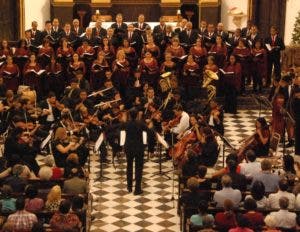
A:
x: 50, y: 117
x: 183, y: 124
x: 274, y: 199
x: 262, y: 203
x: 284, y: 218
x: 250, y: 169
x: 297, y: 202
x: 228, y: 193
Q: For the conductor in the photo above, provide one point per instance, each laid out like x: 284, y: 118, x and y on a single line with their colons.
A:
x: 134, y: 149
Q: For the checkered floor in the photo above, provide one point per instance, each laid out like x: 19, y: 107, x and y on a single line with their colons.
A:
x: 114, y: 209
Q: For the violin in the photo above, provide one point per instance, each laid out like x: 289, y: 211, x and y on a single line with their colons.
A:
x: 172, y: 123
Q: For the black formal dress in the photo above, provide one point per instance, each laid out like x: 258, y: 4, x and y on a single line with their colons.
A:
x: 134, y: 149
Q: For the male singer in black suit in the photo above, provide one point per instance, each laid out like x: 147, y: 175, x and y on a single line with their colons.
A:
x: 276, y: 44
x: 220, y: 31
x: 119, y: 28
x: 35, y: 34
x: 134, y: 149
x: 68, y: 33
x: 188, y: 36
x: 134, y: 38
x: 76, y: 28
x: 98, y: 30
x: 140, y: 25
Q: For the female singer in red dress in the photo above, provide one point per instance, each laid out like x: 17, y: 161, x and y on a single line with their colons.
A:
x: 10, y: 73
x: 242, y: 53
x: 64, y: 54
x: 54, y: 81
x: 259, y: 65
x: 21, y: 54
x: 211, y: 64
x: 175, y: 49
x: 4, y: 50
x: 149, y: 69
x: 45, y: 53
x: 87, y: 54
x: 219, y: 51
x: 152, y: 48
x: 108, y: 50
x: 99, y: 68
x: 121, y: 72
x: 75, y: 66
x: 199, y: 54
x: 130, y: 53
x: 30, y: 76
x: 232, y: 84
x: 191, y: 78
x: 168, y: 65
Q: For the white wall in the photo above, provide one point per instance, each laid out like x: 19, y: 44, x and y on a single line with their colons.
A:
x: 36, y: 10
x: 292, y: 9
x: 228, y: 4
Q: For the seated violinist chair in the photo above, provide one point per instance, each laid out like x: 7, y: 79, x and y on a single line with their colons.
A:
x: 274, y: 141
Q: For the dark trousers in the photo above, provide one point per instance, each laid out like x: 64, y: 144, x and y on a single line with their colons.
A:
x: 230, y: 99
x: 139, y: 164
x: 273, y: 60
x: 257, y: 80
x: 297, y: 137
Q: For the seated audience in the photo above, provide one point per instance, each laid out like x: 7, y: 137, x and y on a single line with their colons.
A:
x: 22, y: 220
x: 204, y: 183
x: 53, y: 198
x: 4, y: 170
x: 270, y: 224
x: 48, y: 171
x: 238, y: 180
x: 76, y: 184
x: 16, y: 182
x: 32, y: 202
x: 193, y: 196
x: 256, y: 219
x: 283, y: 218
x: 282, y: 192
x: 77, y: 204
x: 242, y: 224
x: 63, y: 220
x: 8, y: 203
x: 227, y: 192
x: 197, y: 219
x: 269, y: 179
x: 251, y: 167
x: 258, y: 194
x: 226, y: 220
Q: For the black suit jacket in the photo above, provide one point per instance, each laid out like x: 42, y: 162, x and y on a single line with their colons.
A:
x: 56, y: 113
x: 71, y: 37
x: 56, y: 34
x: 158, y: 30
x: 223, y: 34
x: 184, y: 38
x: 80, y: 31
x: 101, y: 32
x: 134, y: 137
x: 36, y: 39
x: 245, y: 32
x: 279, y: 45
x: 119, y: 30
x: 252, y: 40
x: 140, y: 30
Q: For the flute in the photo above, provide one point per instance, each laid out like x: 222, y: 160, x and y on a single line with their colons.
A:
x: 99, y: 92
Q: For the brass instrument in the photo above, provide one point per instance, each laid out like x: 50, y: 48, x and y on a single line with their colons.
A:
x: 208, y: 77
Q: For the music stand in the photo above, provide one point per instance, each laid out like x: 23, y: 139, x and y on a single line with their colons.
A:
x: 98, y: 143
x: 286, y: 116
x: 159, y: 148
x: 225, y: 143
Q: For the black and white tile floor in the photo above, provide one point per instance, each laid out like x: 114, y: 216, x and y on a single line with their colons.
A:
x: 114, y: 209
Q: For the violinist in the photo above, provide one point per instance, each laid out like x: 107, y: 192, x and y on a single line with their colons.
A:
x: 50, y: 112
x: 178, y: 125
x: 84, y: 101
x: 259, y: 142
x: 150, y: 99
x: 63, y: 146
x: 149, y: 69
x: 208, y: 154
x: 215, y: 117
x: 71, y: 95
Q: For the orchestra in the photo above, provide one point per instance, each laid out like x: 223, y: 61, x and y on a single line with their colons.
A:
x: 86, y: 85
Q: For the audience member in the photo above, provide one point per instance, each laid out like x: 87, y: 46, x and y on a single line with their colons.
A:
x: 258, y: 194
x: 226, y: 220
x: 256, y: 219
x: 32, y: 202
x: 8, y: 203
x: 251, y: 167
x: 227, y: 192
x: 76, y: 184
x: 197, y: 219
x: 53, y: 198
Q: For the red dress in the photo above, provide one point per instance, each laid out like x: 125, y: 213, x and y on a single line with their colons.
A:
x: 155, y: 51
x: 236, y: 80
x: 44, y: 56
x: 277, y: 117
x: 54, y: 81
x: 199, y: 55
x: 76, y: 68
x: 121, y: 71
x: 243, y: 55
x: 32, y: 79
x: 150, y: 72
x: 109, y: 52
x: 191, y: 74
x: 220, y: 53
x: 10, y: 76
x: 98, y: 74
x: 259, y: 64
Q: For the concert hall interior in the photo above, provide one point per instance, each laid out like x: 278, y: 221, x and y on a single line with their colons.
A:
x: 149, y: 115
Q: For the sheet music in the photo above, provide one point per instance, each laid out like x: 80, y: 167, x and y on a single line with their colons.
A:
x: 268, y: 46
x: 46, y: 140
x: 162, y: 141
x: 144, y: 137
x: 98, y: 142
x: 122, y: 138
